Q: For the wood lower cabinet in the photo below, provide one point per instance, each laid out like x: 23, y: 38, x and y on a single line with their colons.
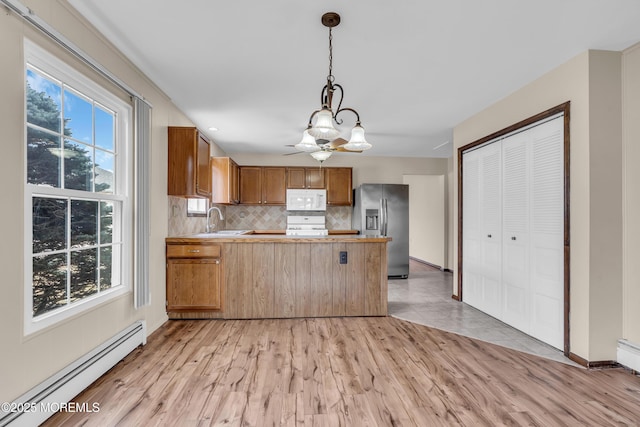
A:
x: 263, y: 185
x: 194, y: 280
x: 305, y: 280
x: 189, y: 173
x: 225, y: 188
x: 339, y: 186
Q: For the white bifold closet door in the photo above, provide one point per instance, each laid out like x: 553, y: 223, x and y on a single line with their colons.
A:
x: 482, y: 222
x: 513, y: 226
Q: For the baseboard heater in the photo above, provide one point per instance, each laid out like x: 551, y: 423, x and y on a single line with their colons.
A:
x: 628, y: 355
x: 39, y: 403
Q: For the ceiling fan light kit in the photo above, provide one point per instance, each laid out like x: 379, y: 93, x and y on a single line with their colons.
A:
x: 321, y: 155
x: 357, y: 141
x: 323, y: 129
x: 308, y: 143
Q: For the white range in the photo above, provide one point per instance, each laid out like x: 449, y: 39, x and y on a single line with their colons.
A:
x: 302, y: 225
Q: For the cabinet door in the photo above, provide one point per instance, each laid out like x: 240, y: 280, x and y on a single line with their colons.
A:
x: 250, y: 185
x: 188, y: 163
x: 296, y: 178
x: 193, y: 284
x: 339, y: 191
x: 234, y: 186
x: 274, y: 186
x: 315, y: 178
x: 203, y: 172
x: 224, y: 173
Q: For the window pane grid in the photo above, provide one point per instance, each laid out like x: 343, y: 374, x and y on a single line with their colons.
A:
x: 86, y: 130
x: 77, y: 166
x: 79, y: 269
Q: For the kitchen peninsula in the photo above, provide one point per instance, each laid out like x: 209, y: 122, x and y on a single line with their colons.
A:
x: 254, y: 276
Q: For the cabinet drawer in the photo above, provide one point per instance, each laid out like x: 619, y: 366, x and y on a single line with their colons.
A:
x: 193, y: 251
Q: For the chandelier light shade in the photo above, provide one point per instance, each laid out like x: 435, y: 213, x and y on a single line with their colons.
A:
x: 321, y: 155
x: 321, y: 122
x: 323, y: 128
x: 308, y: 143
x: 357, y: 141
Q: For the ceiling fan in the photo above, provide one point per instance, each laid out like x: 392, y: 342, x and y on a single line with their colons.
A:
x: 324, y: 149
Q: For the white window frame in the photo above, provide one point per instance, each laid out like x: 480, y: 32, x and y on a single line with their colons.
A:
x: 197, y: 207
x: 39, y: 58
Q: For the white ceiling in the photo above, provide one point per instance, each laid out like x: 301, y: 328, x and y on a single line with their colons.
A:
x: 413, y: 69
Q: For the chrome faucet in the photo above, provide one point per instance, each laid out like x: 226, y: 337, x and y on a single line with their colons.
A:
x: 209, y: 227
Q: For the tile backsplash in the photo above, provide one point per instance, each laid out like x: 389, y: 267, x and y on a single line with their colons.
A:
x: 246, y: 217
x: 249, y: 217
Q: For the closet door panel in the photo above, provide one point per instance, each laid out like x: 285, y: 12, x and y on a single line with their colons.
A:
x: 515, y: 228
x: 547, y: 226
x: 472, y: 233
x: 491, y: 225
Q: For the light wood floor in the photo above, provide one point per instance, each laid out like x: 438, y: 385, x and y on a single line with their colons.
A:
x: 346, y: 371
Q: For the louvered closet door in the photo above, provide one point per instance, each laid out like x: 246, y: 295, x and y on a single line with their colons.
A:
x: 515, y: 226
x: 471, y: 232
x: 482, y: 229
x: 547, y: 231
x: 491, y: 225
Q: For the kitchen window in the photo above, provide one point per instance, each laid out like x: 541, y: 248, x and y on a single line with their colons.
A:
x: 76, y: 192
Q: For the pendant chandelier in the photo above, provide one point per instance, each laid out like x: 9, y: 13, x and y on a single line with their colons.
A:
x: 316, y: 139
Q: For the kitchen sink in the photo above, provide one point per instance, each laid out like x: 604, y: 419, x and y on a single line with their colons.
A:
x: 230, y: 232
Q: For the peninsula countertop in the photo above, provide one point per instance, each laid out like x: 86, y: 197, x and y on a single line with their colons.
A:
x: 274, y: 238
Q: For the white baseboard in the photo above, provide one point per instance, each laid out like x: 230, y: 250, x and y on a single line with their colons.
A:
x: 39, y: 403
x: 628, y: 354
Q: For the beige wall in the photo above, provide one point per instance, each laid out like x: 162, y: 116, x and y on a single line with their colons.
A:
x: 427, y: 218
x: 26, y: 361
x: 631, y: 195
x: 591, y: 81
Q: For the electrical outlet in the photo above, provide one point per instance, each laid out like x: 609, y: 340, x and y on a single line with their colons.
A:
x: 343, y: 257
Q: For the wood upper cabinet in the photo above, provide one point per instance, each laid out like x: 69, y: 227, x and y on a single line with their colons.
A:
x: 339, y: 186
x: 250, y: 185
x: 225, y: 188
x: 274, y: 186
x: 194, y: 278
x: 305, y: 178
x: 189, y: 173
x: 263, y: 185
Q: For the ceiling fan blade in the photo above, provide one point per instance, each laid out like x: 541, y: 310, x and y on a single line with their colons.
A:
x: 344, y: 150
x: 291, y: 154
x: 337, y: 143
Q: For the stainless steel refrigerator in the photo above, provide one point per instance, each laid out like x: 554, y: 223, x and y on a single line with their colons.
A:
x: 383, y: 209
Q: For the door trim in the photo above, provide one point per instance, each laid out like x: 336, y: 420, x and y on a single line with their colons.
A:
x: 562, y: 108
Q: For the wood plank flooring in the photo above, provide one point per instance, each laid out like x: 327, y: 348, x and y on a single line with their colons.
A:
x: 377, y: 371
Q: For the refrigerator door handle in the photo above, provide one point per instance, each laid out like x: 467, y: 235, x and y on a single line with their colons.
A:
x: 385, y: 217
x: 381, y: 217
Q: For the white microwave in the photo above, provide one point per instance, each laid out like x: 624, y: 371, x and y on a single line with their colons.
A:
x: 306, y: 200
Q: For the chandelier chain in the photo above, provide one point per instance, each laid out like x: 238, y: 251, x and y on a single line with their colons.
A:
x: 330, y: 76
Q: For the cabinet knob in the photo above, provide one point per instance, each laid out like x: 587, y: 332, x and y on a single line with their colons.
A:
x: 217, y: 261
x: 513, y: 237
x: 195, y: 251
x: 489, y: 235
